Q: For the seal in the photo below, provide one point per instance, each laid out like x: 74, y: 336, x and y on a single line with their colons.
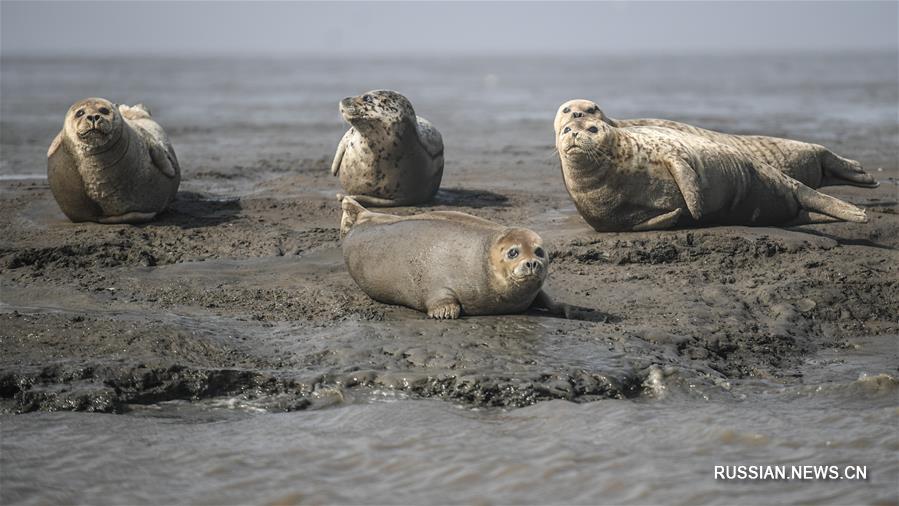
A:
x: 446, y: 263
x: 811, y: 164
x: 111, y: 164
x: 653, y: 178
x: 389, y: 156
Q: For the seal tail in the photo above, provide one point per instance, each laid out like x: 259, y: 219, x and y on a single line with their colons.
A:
x: 815, y: 201
x: 839, y: 170
x: 351, y: 212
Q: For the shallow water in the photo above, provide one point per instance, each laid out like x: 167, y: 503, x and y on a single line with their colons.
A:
x: 367, y: 445
x: 386, y: 448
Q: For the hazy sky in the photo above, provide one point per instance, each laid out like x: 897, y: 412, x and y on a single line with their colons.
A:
x: 255, y: 27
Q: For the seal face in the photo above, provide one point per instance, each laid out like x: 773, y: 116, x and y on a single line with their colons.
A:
x: 390, y: 156
x: 444, y: 263
x: 111, y: 164
x: 644, y: 178
x: 810, y: 164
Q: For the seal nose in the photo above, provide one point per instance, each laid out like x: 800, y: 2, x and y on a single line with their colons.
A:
x: 573, y: 134
x: 577, y: 114
x: 533, y: 265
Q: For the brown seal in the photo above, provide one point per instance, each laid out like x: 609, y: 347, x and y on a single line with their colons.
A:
x: 648, y: 178
x: 111, y: 164
x: 446, y: 263
x: 810, y: 164
x: 390, y: 156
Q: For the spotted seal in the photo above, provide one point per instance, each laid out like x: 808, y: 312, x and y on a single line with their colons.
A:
x: 389, y: 156
x: 811, y: 164
x: 647, y: 178
x: 111, y: 164
x: 447, y: 263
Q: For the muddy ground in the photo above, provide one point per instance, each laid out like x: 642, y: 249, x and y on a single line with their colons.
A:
x: 247, y: 296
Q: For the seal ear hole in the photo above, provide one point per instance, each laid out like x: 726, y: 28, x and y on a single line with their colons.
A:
x: 593, y: 129
x: 539, y: 252
x: 512, y: 253
x: 367, y: 98
x: 80, y: 113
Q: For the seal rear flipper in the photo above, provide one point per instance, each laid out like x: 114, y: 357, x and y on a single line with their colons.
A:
x: 139, y: 111
x: 351, y: 212
x: 817, y: 202
x: 67, y: 185
x: 688, y: 182
x: 839, y: 171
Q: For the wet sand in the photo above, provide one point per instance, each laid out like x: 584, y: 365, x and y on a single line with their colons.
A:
x: 238, y: 292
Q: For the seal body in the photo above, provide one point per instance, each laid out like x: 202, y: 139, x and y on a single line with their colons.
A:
x: 645, y: 178
x: 111, y: 164
x: 811, y: 164
x: 443, y: 263
x: 390, y: 156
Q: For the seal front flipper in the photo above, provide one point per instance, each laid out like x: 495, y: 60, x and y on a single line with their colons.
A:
x: 338, y: 156
x: 67, y: 185
x: 660, y: 222
x: 690, y: 187
x: 444, y: 306
x: 161, y: 161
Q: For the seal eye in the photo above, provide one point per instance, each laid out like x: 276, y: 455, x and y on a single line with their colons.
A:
x: 104, y: 111
x: 366, y: 98
x: 539, y: 252
x: 512, y: 253
x: 567, y: 129
x: 593, y: 129
x: 566, y: 110
x: 80, y: 113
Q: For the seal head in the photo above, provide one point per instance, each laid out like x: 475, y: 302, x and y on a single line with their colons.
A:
x: 518, y: 260
x: 377, y: 106
x: 579, y: 108
x: 93, y: 124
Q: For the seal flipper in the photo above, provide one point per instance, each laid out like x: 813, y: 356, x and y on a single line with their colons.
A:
x: 338, y: 157
x: 839, y: 170
x: 544, y: 302
x: 161, y: 161
x: 67, y: 185
x: 817, y: 202
x: 445, y: 306
x: 351, y: 212
x: 661, y: 222
x: 688, y: 182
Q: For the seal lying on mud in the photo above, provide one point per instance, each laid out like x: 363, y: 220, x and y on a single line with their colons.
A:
x: 810, y: 164
x: 111, y: 164
x: 652, y: 178
x: 446, y: 263
x: 390, y: 156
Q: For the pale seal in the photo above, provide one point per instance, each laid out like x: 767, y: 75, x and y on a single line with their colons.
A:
x: 111, y: 164
x: 811, y: 164
x: 651, y: 178
x: 446, y: 263
x: 390, y: 156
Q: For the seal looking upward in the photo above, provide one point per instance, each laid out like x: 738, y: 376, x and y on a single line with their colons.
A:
x: 111, y: 164
x: 652, y: 178
x: 446, y: 263
x: 810, y: 164
x: 390, y: 156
